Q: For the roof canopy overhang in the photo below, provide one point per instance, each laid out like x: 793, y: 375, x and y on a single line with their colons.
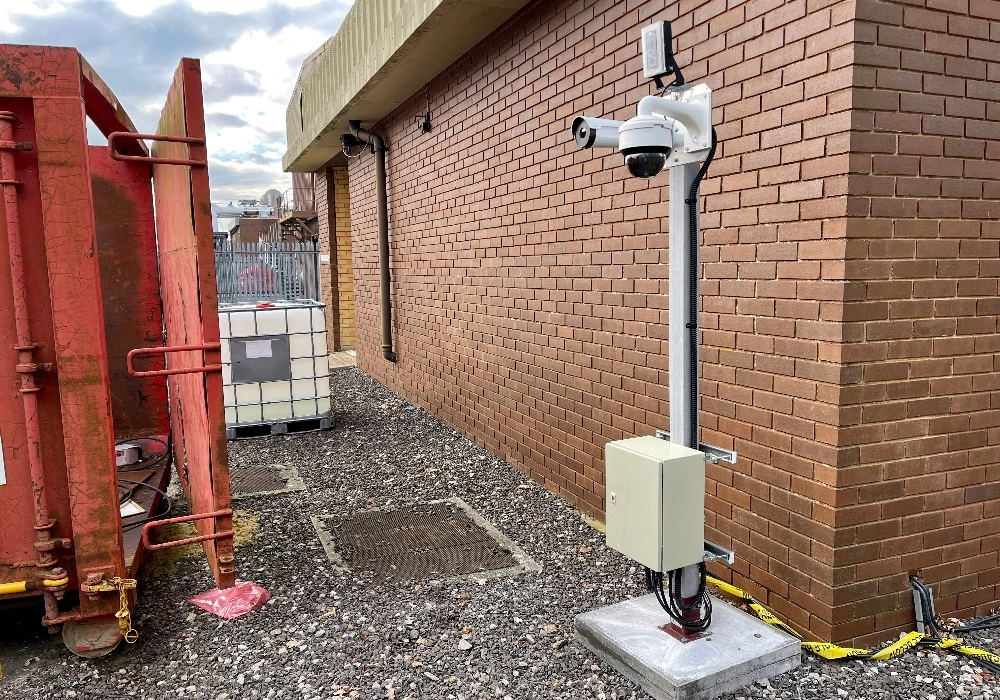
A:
x: 383, y: 53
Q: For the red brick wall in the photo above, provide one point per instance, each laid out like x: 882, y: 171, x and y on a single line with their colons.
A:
x: 924, y: 266
x: 252, y: 227
x: 529, y: 290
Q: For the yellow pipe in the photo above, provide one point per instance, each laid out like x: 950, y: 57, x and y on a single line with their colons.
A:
x: 24, y: 586
x: 15, y: 587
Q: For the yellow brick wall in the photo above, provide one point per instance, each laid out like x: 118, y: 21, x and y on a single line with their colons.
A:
x: 333, y: 207
x: 344, y: 267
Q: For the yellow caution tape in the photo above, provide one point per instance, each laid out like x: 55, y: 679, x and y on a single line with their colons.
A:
x: 833, y: 651
x: 959, y: 648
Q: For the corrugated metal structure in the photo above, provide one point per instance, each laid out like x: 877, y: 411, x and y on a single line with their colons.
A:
x: 80, y: 297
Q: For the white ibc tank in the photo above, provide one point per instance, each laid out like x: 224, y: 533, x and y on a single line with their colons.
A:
x: 275, y: 364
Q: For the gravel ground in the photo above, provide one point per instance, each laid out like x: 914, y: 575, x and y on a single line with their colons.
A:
x: 326, y: 634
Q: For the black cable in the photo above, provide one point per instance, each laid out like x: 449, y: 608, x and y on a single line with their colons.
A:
x: 166, y: 499
x: 670, y: 599
x: 988, y: 622
x: 934, y: 628
x: 700, y: 602
x: 694, y: 276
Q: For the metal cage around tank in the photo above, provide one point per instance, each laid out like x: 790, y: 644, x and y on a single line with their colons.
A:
x: 251, y: 272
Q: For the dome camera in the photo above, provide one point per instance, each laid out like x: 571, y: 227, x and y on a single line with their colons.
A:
x: 646, y: 164
x: 646, y: 142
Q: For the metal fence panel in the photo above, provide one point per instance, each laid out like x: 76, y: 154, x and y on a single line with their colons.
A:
x: 262, y: 271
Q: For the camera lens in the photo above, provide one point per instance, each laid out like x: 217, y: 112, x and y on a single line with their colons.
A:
x: 645, y: 164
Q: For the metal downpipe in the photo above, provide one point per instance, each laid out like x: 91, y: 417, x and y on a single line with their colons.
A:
x: 26, y: 365
x: 385, y: 299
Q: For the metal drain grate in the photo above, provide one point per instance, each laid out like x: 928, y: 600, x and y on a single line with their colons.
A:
x: 439, y: 540
x: 264, y: 480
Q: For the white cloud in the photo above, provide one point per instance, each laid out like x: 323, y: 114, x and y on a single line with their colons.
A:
x: 8, y: 8
x: 249, y: 64
x: 262, y: 112
x: 142, y: 8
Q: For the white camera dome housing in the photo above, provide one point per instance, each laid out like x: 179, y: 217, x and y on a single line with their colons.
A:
x: 646, y: 143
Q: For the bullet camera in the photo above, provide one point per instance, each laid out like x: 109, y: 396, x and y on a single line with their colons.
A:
x: 350, y: 141
x: 591, y: 132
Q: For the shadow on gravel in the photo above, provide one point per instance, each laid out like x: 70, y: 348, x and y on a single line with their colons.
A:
x: 24, y: 642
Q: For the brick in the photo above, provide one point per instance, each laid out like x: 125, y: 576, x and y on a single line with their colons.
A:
x: 849, y: 313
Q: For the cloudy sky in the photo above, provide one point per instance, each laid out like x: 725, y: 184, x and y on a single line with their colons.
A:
x: 250, y: 51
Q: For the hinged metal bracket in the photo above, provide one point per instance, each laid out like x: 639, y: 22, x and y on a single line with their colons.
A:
x: 713, y: 454
x: 714, y: 552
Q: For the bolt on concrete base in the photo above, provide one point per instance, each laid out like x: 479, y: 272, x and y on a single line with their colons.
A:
x: 738, y: 649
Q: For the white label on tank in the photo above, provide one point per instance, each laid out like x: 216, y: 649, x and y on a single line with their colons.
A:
x: 3, y: 472
x: 258, y: 348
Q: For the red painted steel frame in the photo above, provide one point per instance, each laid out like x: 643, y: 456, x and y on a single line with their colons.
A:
x: 24, y: 345
x: 44, y: 87
x: 187, y: 266
x: 130, y: 358
x: 17, y: 536
x: 65, y: 208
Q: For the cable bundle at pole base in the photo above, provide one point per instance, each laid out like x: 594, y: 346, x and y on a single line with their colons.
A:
x: 692, y: 616
x: 826, y: 650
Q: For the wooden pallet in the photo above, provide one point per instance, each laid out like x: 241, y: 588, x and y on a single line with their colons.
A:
x: 285, y: 427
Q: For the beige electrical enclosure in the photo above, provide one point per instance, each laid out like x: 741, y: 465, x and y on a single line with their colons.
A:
x: 655, y: 502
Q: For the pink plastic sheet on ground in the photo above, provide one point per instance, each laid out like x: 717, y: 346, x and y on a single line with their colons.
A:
x: 230, y: 603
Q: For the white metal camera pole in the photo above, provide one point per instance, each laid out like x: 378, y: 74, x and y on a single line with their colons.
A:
x: 673, y: 130
x: 683, y: 293
x: 682, y: 352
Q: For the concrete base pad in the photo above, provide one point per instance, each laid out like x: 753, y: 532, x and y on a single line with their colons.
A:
x: 738, y: 650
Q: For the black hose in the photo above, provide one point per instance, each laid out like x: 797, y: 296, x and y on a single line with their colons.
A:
x: 989, y: 622
x: 694, y: 274
x: 136, y: 484
x: 934, y: 627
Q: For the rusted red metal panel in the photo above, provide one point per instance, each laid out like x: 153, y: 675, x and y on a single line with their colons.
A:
x: 17, y: 554
x: 78, y: 330
x: 190, y: 308
x: 130, y: 287
x: 104, y: 109
x: 66, y: 444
